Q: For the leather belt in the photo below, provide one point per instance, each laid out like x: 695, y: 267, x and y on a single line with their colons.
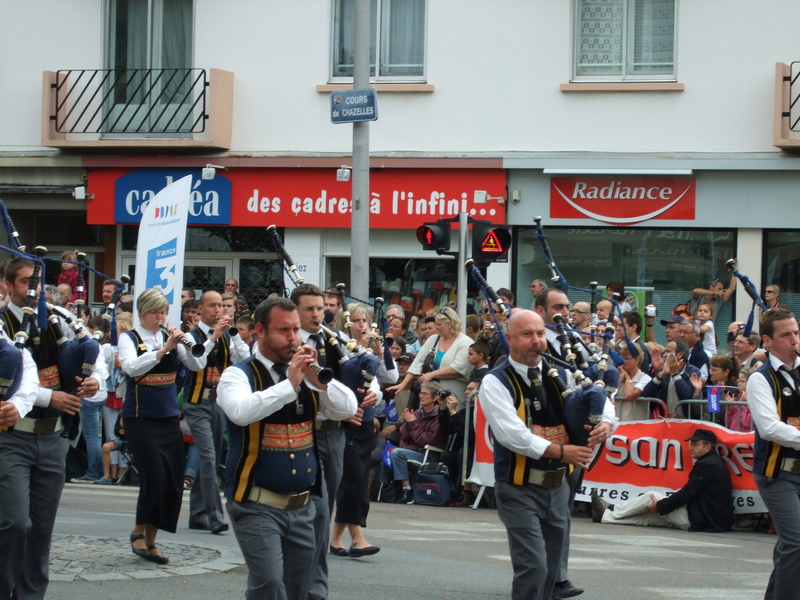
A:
x: 547, y: 479
x: 792, y: 465
x: 326, y: 425
x: 280, y: 501
x: 29, y: 425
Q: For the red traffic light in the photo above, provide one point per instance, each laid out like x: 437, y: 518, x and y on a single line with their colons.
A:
x: 434, y: 236
x: 490, y: 243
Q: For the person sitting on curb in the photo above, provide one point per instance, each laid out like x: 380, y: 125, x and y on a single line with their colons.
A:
x: 703, y: 504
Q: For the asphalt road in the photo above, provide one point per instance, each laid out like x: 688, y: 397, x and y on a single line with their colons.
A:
x: 427, y: 553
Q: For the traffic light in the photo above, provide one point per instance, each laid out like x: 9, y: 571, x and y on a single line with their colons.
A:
x: 434, y: 236
x: 490, y: 243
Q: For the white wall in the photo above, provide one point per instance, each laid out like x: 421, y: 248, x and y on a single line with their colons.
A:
x: 496, y: 67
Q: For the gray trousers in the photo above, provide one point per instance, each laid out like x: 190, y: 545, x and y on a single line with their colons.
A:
x: 31, y: 481
x: 278, y: 547
x: 573, y: 481
x: 782, y: 497
x: 207, y: 424
x: 330, y: 447
x: 537, y: 524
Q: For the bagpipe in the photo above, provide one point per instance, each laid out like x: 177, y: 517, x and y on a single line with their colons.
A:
x: 585, y: 405
x: 76, y: 357
x: 357, y: 366
x: 10, y: 368
x: 751, y: 291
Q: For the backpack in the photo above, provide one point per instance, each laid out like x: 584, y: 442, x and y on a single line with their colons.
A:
x: 432, y: 486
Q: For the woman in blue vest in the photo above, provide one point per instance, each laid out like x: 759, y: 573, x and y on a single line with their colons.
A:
x: 149, y: 357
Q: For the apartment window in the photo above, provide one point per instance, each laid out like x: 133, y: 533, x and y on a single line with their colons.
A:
x: 150, y: 56
x: 397, y: 40
x: 625, y: 40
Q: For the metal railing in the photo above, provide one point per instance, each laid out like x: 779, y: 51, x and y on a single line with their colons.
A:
x: 644, y: 408
x: 130, y: 101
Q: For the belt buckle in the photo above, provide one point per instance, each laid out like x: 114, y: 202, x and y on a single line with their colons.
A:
x: 295, y: 502
x: 795, y: 467
x: 548, y: 480
x: 40, y: 426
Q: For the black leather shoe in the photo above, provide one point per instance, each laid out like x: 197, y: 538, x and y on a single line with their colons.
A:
x: 359, y: 552
x: 219, y: 528
x: 565, y: 589
x: 156, y: 558
x: 139, y: 551
x: 200, y: 526
x: 339, y: 551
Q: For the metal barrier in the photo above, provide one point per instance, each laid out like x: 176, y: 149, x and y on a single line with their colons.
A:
x: 122, y: 101
x: 641, y: 410
x: 697, y: 408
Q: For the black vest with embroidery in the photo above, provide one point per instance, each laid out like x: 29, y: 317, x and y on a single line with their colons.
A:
x: 767, y: 455
x: 44, y: 350
x: 277, y: 453
x: 153, y: 395
x: 198, y: 383
x: 544, y: 419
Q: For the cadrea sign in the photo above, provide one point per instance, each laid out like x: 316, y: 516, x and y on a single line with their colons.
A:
x: 259, y: 197
x: 622, y: 200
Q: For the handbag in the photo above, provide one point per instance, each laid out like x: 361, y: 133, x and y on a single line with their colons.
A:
x: 429, y: 364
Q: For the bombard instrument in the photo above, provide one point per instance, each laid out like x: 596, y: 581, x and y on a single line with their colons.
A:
x: 232, y: 330
x: 373, y: 328
x: 324, y: 374
x: 197, y: 350
x: 291, y: 268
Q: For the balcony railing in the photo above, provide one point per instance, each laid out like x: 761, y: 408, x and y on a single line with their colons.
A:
x: 153, y: 101
x: 138, y: 107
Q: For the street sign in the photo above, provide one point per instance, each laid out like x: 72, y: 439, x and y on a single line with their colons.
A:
x: 351, y: 106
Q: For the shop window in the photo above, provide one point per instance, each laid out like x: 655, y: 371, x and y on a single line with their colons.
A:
x: 660, y: 266
x: 397, y: 40
x: 416, y: 284
x: 63, y: 229
x: 625, y: 40
x: 213, y: 239
x: 782, y: 266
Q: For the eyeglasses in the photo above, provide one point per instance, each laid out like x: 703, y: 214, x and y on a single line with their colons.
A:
x: 580, y: 312
x: 769, y: 292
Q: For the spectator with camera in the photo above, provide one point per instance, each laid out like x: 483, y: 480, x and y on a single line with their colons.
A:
x: 420, y: 428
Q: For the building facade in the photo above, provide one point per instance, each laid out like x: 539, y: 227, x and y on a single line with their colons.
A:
x: 653, y: 137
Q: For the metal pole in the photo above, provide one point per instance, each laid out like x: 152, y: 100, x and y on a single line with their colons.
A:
x: 461, y: 296
x: 359, y: 228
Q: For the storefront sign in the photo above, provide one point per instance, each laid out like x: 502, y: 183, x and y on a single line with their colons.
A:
x: 622, y: 201
x: 648, y: 456
x: 210, y: 202
x: 399, y: 198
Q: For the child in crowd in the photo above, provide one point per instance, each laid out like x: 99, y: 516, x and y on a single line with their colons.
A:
x: 69, y: 273
x: 478, y: 356
x: 705, y: 316
x: 738, y: 417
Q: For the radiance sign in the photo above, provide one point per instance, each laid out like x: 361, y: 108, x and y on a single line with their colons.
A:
x: 260, y: 197
x: 622, y: 200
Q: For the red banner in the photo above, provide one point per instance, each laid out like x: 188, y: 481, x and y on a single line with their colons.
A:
x: 622, y: 201
x: 259, y: 197
x: 654, y: 456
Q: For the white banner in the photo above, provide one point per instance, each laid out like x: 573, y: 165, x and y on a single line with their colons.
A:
x: 161, y: 246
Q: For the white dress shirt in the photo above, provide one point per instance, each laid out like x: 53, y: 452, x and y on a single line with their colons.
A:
x: 237, y: 347
x: 133, y: 365
x: 243, y: 406
x: 507, y: 428
x: 764, y: 408
x: 28, y: 390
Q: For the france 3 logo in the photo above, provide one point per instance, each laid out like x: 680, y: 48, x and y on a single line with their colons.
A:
x: 162, y: 265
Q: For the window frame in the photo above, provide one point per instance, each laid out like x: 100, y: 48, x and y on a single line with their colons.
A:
x: 334, y: 79
x: 623, y: 77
